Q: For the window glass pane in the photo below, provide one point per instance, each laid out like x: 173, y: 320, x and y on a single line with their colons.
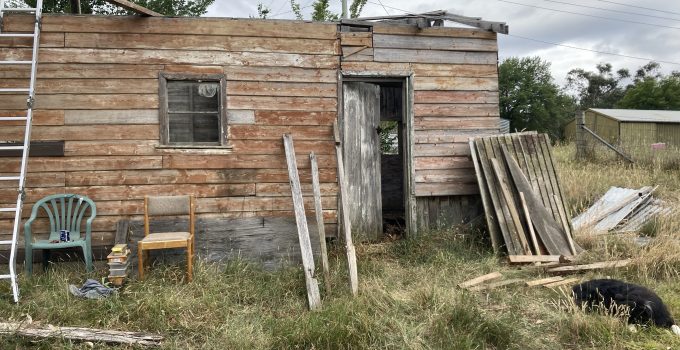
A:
x: 188, y: 128
x: 192, y: 96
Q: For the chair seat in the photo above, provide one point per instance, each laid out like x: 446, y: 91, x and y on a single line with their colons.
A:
x: 167, y: 236
x: 47, y: 244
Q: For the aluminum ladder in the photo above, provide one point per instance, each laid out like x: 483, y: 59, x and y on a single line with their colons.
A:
x: 20, y: 178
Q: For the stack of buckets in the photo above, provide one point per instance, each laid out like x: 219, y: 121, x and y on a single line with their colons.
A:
x: 118, y: 264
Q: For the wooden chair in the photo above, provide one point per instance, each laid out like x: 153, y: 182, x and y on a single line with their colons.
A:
x: 167, y: 206
x: 65, y: 212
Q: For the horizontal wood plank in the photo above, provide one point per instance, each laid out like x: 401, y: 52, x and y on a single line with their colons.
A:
x: 455, y: 83
x: 433, y: 43
x: 422, y: 163
x: 83, y: 132
x: 425, y: 123
x: 434, y: 56
x: 433, y: 31
x: 276, y: 74
x: 111, y: 148
x: 200, y: 42
x: 453, y: 96
x: 456, y: 110
x: 83, y: 101
x: 45, y: 164
x: 320, y: 104
x: 239, y: 161
x: 46, y: 40
x: 177, y: 25
x: 446, y: 135
x: 445, y: 189
x: 263, y: 117
x: 265, y: 88
x: 111, y: 116
x: 441, y: 149
x: 274, y: 133
x: 76, y: 71
x: 40, y: 117
x: 270, y: 147
x: 87, y: 86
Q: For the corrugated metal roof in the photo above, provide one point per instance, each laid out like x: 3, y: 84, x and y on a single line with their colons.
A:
x: 640, y: 115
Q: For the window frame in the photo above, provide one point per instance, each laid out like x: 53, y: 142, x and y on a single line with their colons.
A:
x: 164, y: 115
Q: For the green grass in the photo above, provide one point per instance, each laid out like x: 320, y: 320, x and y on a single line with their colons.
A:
x: 408, y: 297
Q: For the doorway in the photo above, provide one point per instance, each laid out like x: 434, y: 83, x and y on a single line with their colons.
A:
x: 374, y: 153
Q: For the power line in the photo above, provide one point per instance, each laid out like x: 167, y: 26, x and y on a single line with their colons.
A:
x: 640, y: 7
x: 611, y: 10
x: 290, y: 11
x: 587, y: 15
x: 596, y: 51
x: 383, y: 6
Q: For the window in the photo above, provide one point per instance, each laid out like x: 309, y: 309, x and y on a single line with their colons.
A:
x: 192, y: 110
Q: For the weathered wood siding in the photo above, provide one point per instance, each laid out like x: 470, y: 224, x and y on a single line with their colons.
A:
x: 97, y: 87
x: 455, y: 82
x: 97, y: 90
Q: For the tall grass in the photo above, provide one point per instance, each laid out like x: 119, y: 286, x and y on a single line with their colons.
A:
x: 408, y: 297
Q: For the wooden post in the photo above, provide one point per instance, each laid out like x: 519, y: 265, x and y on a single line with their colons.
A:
x: 580, y: 135
x: 346, y: 224
x: 301, y: 220
x: 319, y: 221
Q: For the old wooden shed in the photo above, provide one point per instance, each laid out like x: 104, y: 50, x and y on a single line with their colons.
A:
x: 129, y: 106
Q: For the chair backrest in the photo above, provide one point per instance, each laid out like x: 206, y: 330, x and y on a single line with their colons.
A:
x: 168, y: 206
x: 66, y: 212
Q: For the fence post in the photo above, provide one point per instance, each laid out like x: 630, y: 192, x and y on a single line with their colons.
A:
x: 580, y: 135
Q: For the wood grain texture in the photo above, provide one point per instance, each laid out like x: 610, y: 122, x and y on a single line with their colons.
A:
x: 434, y: 56
x: 433, y: 31
x: 318, y: 212
x: 176, y: 25
x: 433, y: 43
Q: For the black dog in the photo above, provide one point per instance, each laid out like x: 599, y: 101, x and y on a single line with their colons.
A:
x: 646, y: 308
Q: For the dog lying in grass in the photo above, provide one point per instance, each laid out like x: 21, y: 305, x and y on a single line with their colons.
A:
x: 645, y: 307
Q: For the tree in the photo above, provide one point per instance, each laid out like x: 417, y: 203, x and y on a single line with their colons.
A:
x: 598, y: 89
x: 322, y: 13
x: 165, y: 7
x: 321, y: 10
x: 653, y: 92
x: 530, y: 99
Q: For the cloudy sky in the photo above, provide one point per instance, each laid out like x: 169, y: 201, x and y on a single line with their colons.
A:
x: 647, y: 29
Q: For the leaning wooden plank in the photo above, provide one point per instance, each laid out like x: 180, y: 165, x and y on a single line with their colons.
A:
x: 477, y: 280
x: 542, y: 281
x: 512, y: 207
x: 562, y: 282
x: 346, y: 224
x: 565, y: 225
x: 518, y: 259
x: 135, y: 8
x: 496, y: 284
x: 486, y: 200
x: 549, y: 231
x: 530, y: 224
x: 496, y: 197
x: 83, y: 334
x: 318, y: 210
x: 593, y: 266
x: 301, y: 220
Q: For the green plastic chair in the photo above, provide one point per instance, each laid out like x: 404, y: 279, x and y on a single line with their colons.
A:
x: 66, y: 212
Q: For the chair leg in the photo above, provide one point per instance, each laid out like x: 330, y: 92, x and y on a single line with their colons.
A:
x: 28, y: 260
x: 87, y: 254
x: 140, y: 263
x: 190, y: 258
x: 46, y: 258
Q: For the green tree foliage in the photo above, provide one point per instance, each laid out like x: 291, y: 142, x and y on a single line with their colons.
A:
x: 654, y: 92
x: 530, y: 99
x: 263, y: 11
x: 165, y: 7
x: 356, y: 7
x: 598, y: 89
x: 322, y: 11
x: 295, y: 7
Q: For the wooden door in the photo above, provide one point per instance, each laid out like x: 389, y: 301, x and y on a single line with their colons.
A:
x: 361, y: 155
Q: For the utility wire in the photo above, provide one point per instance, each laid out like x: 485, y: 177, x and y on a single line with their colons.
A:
x: 639, y: 7
x: 596, y: 51
x: 611, y: 10
x: 383, y: 6
x: 587, y: 15
x: 290, y: 11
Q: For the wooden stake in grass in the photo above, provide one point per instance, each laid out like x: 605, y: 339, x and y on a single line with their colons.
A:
x: 346, y: 224
x: 480, y: 279
x: 562, y: 282
x: 496, y: 284
x: 301, y: 220
x: 319, y: 221
x: 542, y: 281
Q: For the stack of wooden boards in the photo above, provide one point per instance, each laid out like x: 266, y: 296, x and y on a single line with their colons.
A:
x: 522, y: 197
x: 621, y: 210
x: 118, y: 264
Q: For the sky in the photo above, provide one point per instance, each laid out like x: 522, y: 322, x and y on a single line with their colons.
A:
x: 647, y: 29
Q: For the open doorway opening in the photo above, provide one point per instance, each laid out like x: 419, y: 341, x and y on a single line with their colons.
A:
x: 391, y: 133
x: 374, y: 152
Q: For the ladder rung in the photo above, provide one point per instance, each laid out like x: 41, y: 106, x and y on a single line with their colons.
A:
x: 9, y: 178
x: 6, y: 242
x: 16, y: 62
x: 5, y: 277
x: 18, y: 9
x: 6, y: 210
x: 7, y: 119
x: 11, y: 147
x: 17, y: 35
x: 15, y: 90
